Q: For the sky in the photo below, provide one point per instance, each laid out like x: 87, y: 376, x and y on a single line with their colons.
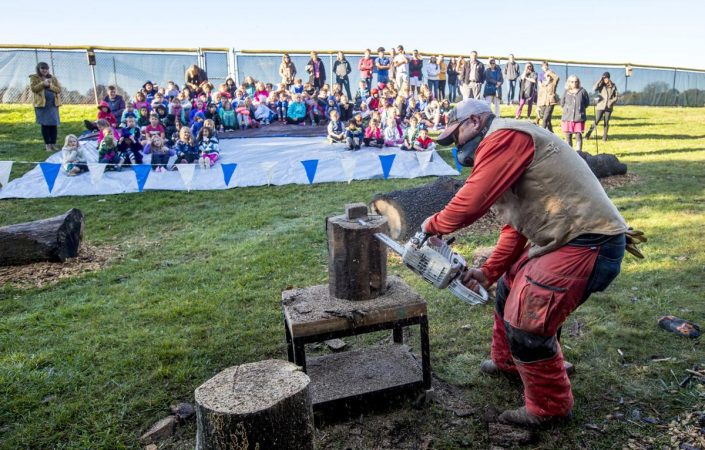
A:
x: 669, y: 33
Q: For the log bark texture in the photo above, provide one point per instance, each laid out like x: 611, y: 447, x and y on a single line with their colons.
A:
x: 256, y: 406
x: 406, y: 209
x: 357, y: 261
x: 604, y: 164
x: 54, y: 239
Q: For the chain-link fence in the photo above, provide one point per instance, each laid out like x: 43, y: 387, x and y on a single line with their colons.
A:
x: 128, y: 69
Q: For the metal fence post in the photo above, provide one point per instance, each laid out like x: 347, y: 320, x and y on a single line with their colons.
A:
x: 332, y: 76
x: 236, y: 68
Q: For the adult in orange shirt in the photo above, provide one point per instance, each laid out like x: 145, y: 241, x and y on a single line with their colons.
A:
x: 562, y: 240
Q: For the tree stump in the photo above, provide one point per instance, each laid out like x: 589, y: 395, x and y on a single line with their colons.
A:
x: 54, y: 239
x: 257, y: 406
x: 604, y: 164
x: 357, y: 261
x: 406, y: 209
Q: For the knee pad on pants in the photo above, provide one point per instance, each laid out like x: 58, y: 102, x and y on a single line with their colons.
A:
x: 528, y: 347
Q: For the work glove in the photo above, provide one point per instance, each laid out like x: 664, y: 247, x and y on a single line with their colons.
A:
x: 635, y: 237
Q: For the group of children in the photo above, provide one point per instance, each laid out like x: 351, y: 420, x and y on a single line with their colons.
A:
x: 180, y: 126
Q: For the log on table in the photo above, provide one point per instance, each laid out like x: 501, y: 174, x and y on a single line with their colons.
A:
x: 261, y: 405
x: 357, y: 261
x: 604, y: 164
x: 54, y: 239
x: 406, y: 209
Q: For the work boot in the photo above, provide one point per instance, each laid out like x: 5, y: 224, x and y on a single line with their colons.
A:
x: 489, y: 367
x: 523, y: 418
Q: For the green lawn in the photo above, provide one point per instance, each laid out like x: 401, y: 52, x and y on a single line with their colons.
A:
x: 92, y: 361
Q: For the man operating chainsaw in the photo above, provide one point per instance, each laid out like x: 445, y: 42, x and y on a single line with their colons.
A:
x: 562, y: 240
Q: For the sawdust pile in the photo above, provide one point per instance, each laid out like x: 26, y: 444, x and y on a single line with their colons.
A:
x: 90, y: 259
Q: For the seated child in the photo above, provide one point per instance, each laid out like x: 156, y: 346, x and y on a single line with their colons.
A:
x: 353, y: 134
x: 212, y: 113
x: 410, y: 134
x: 171, y: 91
x: 227, y: 115
x: 129, y: 111
x: 140, y: 101
x: 104, y: 113
x: 373, y: 135
x: 423, y: 142
x: 296, y: 112
x: 346, y: 108
x: 314, y: 111
x: 297, y: 87
x: 208, y: 148
x: 108, y: 154
x: 72, y: 158
x: 143, y: 117
x: 261, y: 93
x: 362, y: 94
x: 129, y: 143
x: 186, y: 149
x: 243, y: 115
x: 198, y: 119
x: 263, y: 114
x: 282, y: 106
x: 336, y: 133
x: 104, y: 128
x: 392, y: 138
x: 160, y: 153
x: 331, y: 105
x: 154, y: 128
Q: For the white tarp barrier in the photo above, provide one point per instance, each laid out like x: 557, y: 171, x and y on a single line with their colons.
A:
x: 260, y: 161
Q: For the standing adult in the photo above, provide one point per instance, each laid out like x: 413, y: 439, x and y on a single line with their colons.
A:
x: 547, y: 96
x: 342, y: 69
x: 453, y: 78
x: 316, y: 71
x: 493, y: 85
x: 511, y: 73
x: 547, y: 197
x: 401, y: 63
x: 442, y: 75
x: 472, y: 78
x: 415, y: 72
x: 527, y: 90
x: 46, y: 92
x: 195, y: 77
x: 382, y: 63
x: 432, y: 72
x: 574, y: 102
x: 287, y: 70
x: 365, y: 66
x: 607, y: 91
x: 116, y: 102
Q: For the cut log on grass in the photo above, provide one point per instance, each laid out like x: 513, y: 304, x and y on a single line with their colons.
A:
x: 406, y: 209
x: 604, y: 165
x: 54, y: 239
x: 357, y: 261
x: 262, y: 405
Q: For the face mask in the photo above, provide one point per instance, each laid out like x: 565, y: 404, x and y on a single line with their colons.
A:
x: 466, y: 153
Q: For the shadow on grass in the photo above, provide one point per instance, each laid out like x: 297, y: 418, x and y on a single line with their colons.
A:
x: 639, y: 137
x: 662, y: 152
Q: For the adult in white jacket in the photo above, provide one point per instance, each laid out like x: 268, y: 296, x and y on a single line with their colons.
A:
x: 432, y: 74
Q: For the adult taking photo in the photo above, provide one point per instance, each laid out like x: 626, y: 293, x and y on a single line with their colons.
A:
x: 607, y: 98
x: 46, y: 92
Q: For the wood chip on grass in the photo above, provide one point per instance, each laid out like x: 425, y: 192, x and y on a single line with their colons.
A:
x: 37, y: 275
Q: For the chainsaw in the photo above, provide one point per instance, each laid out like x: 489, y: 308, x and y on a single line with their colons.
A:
x: 437, y: 263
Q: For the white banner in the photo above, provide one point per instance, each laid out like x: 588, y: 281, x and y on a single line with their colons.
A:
x: 96, y: 170
x: 186, y: 173
x: 5, y: 169
x: 348, y: 167
x: 424, y: 159
x: 268, y: 167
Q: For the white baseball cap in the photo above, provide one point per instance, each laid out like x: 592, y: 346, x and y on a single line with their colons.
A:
x: 462, y: 110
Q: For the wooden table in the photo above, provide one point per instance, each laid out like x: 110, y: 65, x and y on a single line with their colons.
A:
x: 313, y: 315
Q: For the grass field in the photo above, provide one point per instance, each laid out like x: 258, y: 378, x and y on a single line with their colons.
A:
x: 93, y: 360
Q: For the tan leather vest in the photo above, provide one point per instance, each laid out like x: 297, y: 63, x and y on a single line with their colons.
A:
x: 558, y: 198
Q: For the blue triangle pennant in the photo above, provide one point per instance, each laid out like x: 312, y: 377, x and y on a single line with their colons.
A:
x: 310, y: 165
x: 228, y: 170
x: 386, y: 161
x: 50, y: 172
x: 457, y: 163
x: 141, y: 173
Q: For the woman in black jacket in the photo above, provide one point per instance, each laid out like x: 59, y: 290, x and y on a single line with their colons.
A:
x: 316, y: 71
x: 607, y: 91
x: 575, y: 101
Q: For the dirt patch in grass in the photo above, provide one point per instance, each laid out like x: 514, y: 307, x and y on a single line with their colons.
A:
x: 90, y: 259
x: 619, y: 180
